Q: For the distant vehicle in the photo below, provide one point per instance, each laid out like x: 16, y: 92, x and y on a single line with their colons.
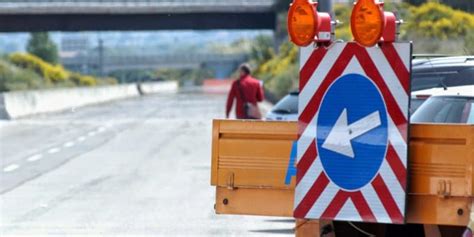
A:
x: 455, y: 105
x: 438, y: 74
x: 286, y: 109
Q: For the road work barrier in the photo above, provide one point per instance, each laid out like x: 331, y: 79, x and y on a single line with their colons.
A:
x: 249, y: 167
x: 253, y: 173
x: 24, y: 103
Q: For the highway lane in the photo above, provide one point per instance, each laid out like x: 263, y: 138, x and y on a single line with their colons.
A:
x: 134, y: 167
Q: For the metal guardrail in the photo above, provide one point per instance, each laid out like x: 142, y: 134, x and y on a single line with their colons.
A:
x: 185, y: 58
x: 112, y: 63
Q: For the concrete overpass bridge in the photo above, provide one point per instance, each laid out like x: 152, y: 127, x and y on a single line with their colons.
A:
x: 95, y: 15
x: 222, y: 64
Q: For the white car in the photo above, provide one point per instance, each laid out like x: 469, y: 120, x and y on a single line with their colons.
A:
x: 286, y: 109
x: 451, y: 105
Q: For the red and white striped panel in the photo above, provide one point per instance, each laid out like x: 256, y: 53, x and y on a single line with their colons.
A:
x: 383, y: 199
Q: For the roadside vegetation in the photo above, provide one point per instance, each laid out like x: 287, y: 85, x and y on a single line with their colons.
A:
x: 24, y: 71
x: 38, y: 69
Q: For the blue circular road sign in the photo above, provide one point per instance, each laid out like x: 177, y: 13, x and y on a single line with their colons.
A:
x: 352, y: 131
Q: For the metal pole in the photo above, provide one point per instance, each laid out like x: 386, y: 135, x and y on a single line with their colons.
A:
x: 101, y: 57
x: 326, y: 6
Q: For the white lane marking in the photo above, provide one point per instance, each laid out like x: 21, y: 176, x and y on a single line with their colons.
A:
x: 81, y: 139
x: 92, y: 133
x: 68, y: 144
x: 101, y: 129
x: 34, y: 157
x: 11, y: 168
x: 53, y: 150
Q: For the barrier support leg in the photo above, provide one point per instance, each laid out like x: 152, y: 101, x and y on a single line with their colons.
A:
x: 314, y: 228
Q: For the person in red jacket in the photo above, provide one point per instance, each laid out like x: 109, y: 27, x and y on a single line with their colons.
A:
x: 245, y: 89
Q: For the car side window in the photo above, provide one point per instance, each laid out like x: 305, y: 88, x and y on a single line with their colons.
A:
x: 461, y: 78
x: 428, y: 80
x: 423, y: 81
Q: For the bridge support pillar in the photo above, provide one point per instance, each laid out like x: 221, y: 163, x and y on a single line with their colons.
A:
x: 222, y: 70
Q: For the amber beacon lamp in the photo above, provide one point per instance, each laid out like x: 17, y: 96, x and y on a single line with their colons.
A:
x: 306, y: 25
x: 371, y: 25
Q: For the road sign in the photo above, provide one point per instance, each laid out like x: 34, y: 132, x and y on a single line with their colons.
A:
x: 352, y: 145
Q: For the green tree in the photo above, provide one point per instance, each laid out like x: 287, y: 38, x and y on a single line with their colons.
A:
x: 42, y: 46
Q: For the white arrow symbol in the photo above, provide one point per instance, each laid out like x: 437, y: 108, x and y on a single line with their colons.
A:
x: 339, y: 139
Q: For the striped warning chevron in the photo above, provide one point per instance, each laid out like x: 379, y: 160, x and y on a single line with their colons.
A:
x: 352, y: 145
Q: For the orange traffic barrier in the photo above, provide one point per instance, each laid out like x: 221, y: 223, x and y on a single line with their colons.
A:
x: 440, y: 179
x: 250, y: 161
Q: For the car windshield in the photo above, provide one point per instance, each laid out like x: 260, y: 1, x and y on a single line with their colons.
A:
x: 434, y: 77
x: 287, y: 105
x: 443, y: 109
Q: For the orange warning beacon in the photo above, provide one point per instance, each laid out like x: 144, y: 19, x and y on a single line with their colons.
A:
x: 306, y: 25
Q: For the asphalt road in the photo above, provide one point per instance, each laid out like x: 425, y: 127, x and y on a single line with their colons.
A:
x: 132, y: 167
